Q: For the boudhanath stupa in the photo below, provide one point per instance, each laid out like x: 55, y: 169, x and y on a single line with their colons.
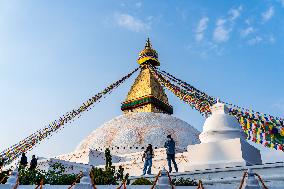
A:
x: 219, y: 154
x: 147, y: 119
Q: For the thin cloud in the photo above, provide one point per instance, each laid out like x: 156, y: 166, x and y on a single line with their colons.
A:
x: 245, y: 32
x: 279, y: 105
x: 268, y: 39
x: 225, y: 26
x: 282, y: 2
x: 255, y: 40
x: 131, y: 23
x: 221, y: 33
x: 271, y: 39
x: 206, y: 49
x: 235, y: 13
x: 138, y: 4
x: 202, y: 26
x: 248, y: 21
x: 268, y: 14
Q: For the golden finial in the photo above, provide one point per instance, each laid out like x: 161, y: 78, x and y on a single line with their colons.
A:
x: 148, y: 55
x: 148, y: 43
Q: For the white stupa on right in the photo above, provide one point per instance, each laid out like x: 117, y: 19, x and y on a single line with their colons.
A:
x: 223, y: 143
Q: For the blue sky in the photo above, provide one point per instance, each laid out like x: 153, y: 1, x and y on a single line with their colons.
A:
x: 56, y: 54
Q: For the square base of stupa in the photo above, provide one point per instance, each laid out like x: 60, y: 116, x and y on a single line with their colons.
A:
x: 222, y: 154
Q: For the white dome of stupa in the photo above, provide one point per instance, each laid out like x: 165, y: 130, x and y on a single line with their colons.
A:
x: 220, y: 125
x: 132, y: 132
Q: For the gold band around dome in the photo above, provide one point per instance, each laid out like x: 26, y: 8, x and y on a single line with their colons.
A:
x: 152, y: 60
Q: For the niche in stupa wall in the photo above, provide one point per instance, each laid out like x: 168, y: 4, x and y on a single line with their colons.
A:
x: 156, y: 109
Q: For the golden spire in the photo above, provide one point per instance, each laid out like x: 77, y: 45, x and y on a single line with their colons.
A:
x: 146, y: 94
x: 148, y: 55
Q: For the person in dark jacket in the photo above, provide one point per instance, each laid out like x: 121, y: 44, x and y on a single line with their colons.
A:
x: 148, y: 155
x: 170, y: 150
x: 24, y: 160
x: 33, y: 163
x: 2, y: 161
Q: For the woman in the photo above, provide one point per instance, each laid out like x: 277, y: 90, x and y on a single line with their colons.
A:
x: 148, y: 155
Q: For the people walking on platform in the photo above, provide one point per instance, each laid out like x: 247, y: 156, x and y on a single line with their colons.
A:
x: 170, y: 150
x: 24, y: 161
x: 33, y: 163
x: 148, y: 155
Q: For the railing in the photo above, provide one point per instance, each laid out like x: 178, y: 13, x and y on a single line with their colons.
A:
x: 92, y: 181
x: 5, y: 177
x: 243, y: 180
x: 258, y: 176
x: 156, y: 179
x: 122, y: 184
x: 260, y: 179
x: 77, y: 179
x: 40, y: 184
x: 2, y: 180
x: 170, y: 179
x: 17, y: 184
x: 200, y: 185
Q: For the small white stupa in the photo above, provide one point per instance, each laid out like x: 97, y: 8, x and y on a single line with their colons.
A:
x: 220, y: 125
x: 222, y: 144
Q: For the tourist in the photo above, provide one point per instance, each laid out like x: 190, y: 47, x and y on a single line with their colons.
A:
x: 119, y: 174
x: 24, y: 161
x: 148, y: 155
x: 170, y: 150
x: 1, y: 164
x: 33, y: 163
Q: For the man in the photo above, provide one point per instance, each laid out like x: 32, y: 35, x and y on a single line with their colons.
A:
x: 24, y: 161
x: 170, y: 150
x: 33, y: 163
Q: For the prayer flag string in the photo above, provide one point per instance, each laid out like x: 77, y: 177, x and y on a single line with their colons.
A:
x: 12, y: 153
x: 259, y: 127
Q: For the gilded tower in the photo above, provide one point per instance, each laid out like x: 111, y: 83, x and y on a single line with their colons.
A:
x: 146, y: 94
